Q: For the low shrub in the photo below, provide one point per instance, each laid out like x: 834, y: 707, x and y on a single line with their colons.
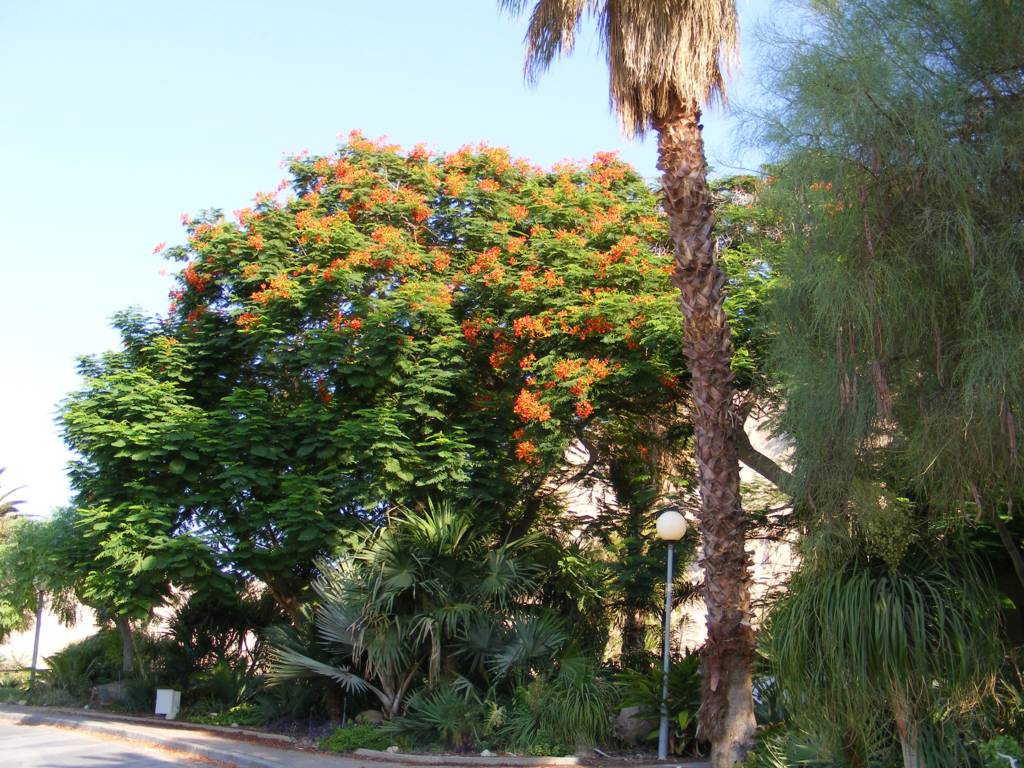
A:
x: 91, y: 661
x: 543, y: 749
x: 226, y: 683
x: 643, y: 690
x: 571, y: 706
x: 8, y: 695
x: 301, y: 700
x: 1000, y: 752
x: 353, y: 737
x: 787, y: 747
x: 46, y: 696
x: 445, y: 715
x: 71, y: 672
x: 13, y: 678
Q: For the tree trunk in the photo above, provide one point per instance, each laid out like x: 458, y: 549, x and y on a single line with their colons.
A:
x: 726, y: 717
x: 286, y: 601
x: 910, y: 741
x: 634, y: 633
x: 124, y: 626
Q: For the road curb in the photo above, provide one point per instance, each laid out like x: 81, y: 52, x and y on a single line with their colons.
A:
x: 497, y: 761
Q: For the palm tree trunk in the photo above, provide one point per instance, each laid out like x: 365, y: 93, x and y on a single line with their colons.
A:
x: 727, y: 713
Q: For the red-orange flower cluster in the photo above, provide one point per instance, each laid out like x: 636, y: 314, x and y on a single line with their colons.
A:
x: 278, y: 287
x: 526, y: 452
x: 533, y: 327
x: 195, y: 281
x: 501, y: 354
x: 470, y: 330
x: 247, y: 320
x: 529, y: 408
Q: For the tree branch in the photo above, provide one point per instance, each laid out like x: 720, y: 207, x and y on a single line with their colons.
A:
x: 760, y: 463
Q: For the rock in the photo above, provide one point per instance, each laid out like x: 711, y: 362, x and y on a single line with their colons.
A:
x: 110, y: 693
x: 370, y: 717
x: 392, y: 749
x: 22, y: 702
x: 630, y: 728
x: 487, y: 753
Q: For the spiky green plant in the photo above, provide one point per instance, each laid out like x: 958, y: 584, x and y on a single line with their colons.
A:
x: 448, y: 713
x: 569, y: 705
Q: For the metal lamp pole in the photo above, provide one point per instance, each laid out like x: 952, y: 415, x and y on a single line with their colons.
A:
x: 35, y: 645
x: 671, y: 526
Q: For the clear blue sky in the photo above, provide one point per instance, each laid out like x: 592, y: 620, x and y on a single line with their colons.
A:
x: 119, y: 115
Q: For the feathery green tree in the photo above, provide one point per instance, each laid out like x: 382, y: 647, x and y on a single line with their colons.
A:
x: 899, y: 141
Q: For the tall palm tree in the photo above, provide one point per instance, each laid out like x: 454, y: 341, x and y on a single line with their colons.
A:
x: 666, y: 59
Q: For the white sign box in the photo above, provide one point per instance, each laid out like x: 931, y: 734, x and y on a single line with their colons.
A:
x: 168, y: 702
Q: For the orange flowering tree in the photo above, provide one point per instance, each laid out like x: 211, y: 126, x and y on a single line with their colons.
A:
x: 451, y: 323
x: 392, y: 325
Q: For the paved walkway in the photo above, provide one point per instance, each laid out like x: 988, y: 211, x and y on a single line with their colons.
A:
x: 235, y: 748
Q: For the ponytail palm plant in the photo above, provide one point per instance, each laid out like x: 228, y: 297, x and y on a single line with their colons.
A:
x: 435, y: 591
x: 863, y: 651
x: 665, y: 60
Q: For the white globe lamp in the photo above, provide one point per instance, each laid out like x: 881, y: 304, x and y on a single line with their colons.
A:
x: 671, y: 525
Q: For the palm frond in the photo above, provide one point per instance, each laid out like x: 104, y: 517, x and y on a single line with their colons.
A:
x: 532, y: 640
x: 662, y: 55
x: 289, y: 664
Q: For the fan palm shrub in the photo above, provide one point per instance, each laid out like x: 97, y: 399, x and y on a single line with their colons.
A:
x: 432, y: 592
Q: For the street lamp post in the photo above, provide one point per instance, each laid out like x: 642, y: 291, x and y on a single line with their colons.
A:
x: 671, y: 526
x: 35, y: 645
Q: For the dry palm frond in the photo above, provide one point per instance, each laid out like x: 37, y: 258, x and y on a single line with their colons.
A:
x: 662, y: 54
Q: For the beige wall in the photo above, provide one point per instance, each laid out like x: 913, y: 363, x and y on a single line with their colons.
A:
x: 772, y: 561
x: 52, y: 638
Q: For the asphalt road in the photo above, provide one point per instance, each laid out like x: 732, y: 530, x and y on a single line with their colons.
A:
x: 39, y: 746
